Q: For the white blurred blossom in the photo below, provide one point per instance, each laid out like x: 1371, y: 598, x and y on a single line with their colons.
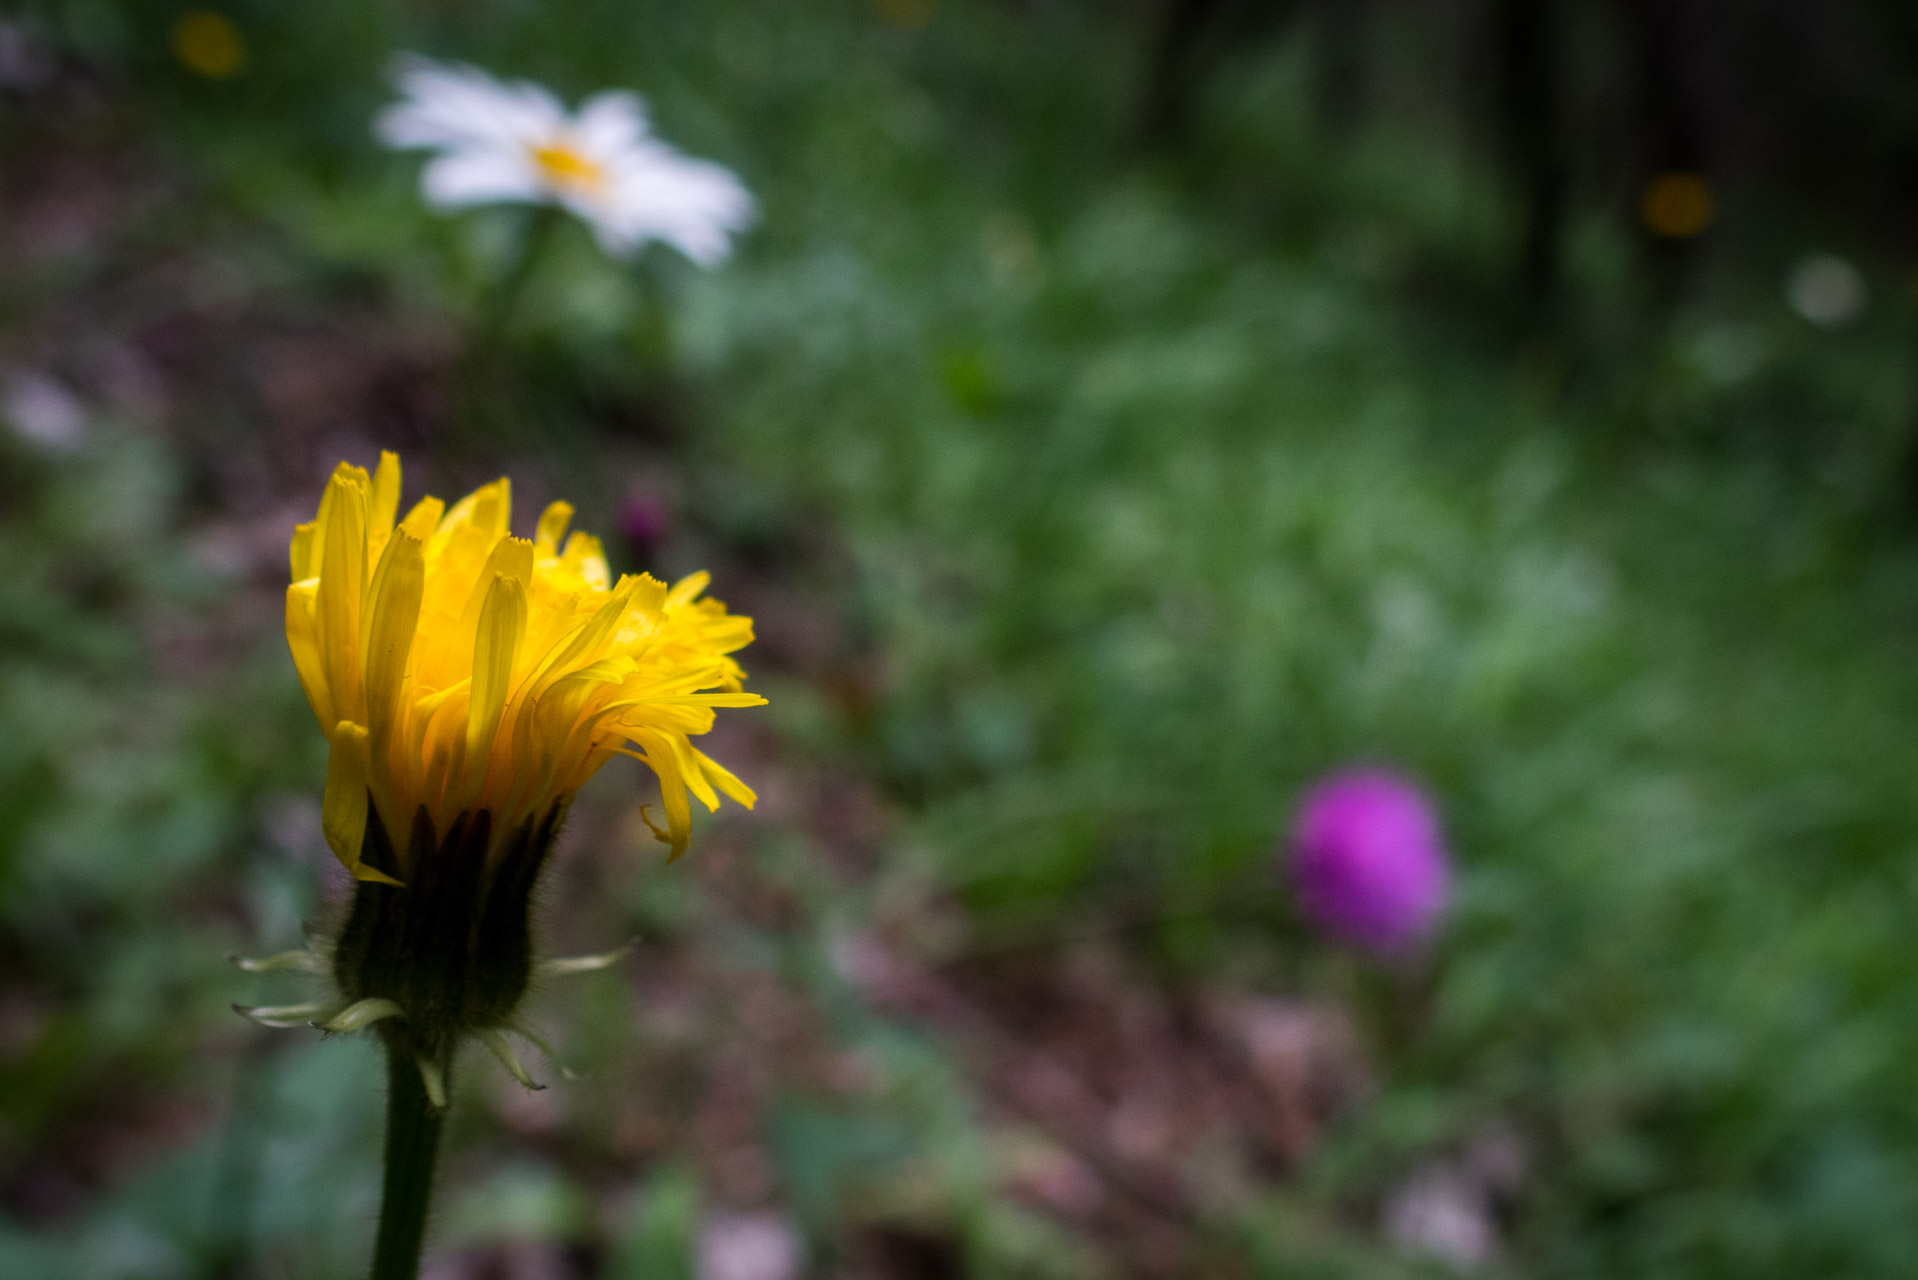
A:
x: 516, y: 143
x: 1443, y: 1212
x: 748, y: 1246
x: 25, y: 62
x: 1826, y: 290
x: 44, y: 412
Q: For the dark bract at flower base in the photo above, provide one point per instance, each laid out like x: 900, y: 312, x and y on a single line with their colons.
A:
x: 452, y: 948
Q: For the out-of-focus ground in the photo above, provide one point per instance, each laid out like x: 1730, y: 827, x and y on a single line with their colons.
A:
x: 1110, y: 429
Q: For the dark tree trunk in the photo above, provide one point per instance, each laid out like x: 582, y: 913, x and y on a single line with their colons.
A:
x: 1526, y: 48
x: 1667, y: 119
x: 1343, y: 29
x: 1190, y: 38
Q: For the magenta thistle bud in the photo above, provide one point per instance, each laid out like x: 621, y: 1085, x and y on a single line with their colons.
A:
x: 644, y: 519
x: 1369, y: 861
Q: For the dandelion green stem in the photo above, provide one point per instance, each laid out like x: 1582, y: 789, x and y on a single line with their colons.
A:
x: 412, y: 1143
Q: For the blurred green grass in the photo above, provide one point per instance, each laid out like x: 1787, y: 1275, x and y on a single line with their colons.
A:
x: 1134, y: 493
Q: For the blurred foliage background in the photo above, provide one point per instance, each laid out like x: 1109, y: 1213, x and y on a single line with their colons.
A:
x: 1121, y: 414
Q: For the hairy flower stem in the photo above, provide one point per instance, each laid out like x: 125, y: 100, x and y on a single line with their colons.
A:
x: 412, y: 1143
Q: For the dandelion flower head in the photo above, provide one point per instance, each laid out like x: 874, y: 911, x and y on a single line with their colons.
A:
x: 516, y: 143
x: 458, y: 670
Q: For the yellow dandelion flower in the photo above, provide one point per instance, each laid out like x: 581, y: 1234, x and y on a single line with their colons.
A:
x: 463, y: 675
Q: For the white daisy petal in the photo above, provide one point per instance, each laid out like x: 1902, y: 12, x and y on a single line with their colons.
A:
x: 463, y: 107
x: 617, y: 240
x: 610, y: 122
x: 441, y: 107
x: 532, y: 113
x: 694, y: 205
x: 457, y: 179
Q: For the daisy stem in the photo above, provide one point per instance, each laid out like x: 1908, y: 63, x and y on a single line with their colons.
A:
x: 480, y: 402
x: 540, y: 225
x: 412, y: 1143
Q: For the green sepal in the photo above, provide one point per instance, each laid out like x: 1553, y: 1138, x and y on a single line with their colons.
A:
x: 562, y: 966
x: 286, y: 1015
x: 497, y: 1042
x: 306, y: 960
x: 362, y: 1013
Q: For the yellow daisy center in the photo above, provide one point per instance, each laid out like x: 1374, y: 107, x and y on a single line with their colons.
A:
x: 564, y: 167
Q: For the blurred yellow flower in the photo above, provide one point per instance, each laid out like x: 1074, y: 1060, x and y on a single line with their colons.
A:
x: 208, y: 44
x: 458, y: 670
x: 1677, y: 205
x: 907, y: 15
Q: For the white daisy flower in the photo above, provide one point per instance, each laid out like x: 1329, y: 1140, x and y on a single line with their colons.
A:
x: 499, y: 142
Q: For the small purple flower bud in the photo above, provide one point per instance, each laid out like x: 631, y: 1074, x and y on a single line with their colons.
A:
x: 1369, y: 860
x: 644, y: 518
